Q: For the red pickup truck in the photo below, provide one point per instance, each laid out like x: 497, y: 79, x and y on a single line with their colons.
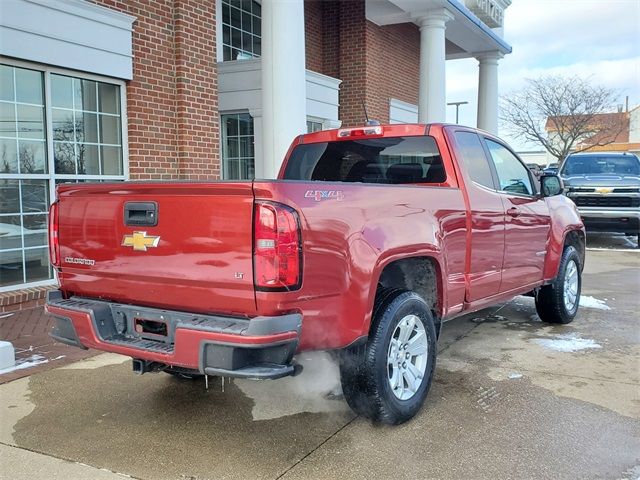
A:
x: 369, y: 239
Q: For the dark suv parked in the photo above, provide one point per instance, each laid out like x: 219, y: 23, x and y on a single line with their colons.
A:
x: 606, y: 189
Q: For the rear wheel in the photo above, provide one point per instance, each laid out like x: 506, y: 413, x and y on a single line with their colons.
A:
x: 559, y: 301
x: 387, y: 380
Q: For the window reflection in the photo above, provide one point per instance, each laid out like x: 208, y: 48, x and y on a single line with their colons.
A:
x: 85, y: 138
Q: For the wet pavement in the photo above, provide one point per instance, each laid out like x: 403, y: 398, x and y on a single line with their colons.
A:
x: 512, y: 398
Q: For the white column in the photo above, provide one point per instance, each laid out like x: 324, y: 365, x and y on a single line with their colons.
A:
x: 432, y: 100
x: 488, y: 91
x: 258, y: 136
x: 283, y: 80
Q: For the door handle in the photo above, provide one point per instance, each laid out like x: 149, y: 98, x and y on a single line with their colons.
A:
x: 141, y: 214
x: 513, y: 212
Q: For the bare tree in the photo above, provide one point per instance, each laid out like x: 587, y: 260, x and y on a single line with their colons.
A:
x: 563, y: 114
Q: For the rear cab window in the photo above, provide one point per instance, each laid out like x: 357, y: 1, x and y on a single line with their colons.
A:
x: 383, y: 160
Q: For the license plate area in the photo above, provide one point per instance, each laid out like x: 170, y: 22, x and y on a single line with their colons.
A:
x: 151, y: 329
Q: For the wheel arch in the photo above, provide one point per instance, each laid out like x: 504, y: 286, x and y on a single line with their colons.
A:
x: 574, y: 237
x: 420, y: 273
x: 577, y: 239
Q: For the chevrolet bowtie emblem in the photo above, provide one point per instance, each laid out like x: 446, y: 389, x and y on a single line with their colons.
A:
x: 604, y: 190
x: 140, y: 241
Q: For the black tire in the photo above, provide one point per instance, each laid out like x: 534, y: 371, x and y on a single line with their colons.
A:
x: 550, y: 300
x: 364, y: 369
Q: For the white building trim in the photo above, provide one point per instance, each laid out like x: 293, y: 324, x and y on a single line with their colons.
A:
x: 402, y: 112
x: 72, y: 34
x: 240, y: 89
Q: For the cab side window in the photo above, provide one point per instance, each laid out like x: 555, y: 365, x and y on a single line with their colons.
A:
x: 472, y: 154
x: 512, y: 174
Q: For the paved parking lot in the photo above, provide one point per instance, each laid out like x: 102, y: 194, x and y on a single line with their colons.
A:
x: 512, y: 398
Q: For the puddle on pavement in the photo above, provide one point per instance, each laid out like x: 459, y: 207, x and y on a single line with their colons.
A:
x: 102, y: 414
x: 550, y: 356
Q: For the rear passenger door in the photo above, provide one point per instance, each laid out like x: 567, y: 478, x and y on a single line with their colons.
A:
x: 527, y: 219
x: 487, y: 217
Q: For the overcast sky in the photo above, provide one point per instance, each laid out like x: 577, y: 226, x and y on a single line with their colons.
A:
x: 597, y: 38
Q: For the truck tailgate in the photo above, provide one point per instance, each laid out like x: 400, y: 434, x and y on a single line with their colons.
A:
x: 197, y: 258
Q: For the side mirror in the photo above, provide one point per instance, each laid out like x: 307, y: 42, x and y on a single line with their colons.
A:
x: 550, y: 185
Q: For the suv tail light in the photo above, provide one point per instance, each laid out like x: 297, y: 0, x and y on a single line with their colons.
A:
x: 277, y: 250
x: 54, y: 244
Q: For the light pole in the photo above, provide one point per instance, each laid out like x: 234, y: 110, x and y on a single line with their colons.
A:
x: 457, y: 104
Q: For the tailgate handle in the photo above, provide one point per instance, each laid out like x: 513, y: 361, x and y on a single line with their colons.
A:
x: 141, y: 214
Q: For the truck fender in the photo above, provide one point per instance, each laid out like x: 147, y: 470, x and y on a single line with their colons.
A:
x: 574, y: 236
x: 430, y: 252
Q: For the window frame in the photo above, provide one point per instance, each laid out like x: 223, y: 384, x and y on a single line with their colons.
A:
x: 220, y: 34
x: 51, y: 176
x: 315, y: 121
x: 494, y: 170
x: 223, y: 144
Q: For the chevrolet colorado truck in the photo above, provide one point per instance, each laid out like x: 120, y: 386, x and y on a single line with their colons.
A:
x: 606, y: 188
x: 370, y: 239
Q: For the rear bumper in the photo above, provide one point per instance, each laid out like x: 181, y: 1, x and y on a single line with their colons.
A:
x: 262, y: 347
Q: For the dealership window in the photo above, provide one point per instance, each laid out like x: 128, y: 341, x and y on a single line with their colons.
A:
x: 237, y: 146
x: 241, y: 29
x: 54, y: 128
x: 313, y: 126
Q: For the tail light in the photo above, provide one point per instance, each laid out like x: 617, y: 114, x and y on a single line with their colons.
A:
x: 277, y: 250
x: 54, y: 243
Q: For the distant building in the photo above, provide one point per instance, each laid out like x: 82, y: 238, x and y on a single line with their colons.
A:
x: 610, y: 132
x: 541, y: 157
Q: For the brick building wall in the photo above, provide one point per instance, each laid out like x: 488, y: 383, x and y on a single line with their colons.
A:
x: 353, y: 62
x: 313, y: 26
x: 172, y: 103
x: 375, y: 63
x: 393, y: 66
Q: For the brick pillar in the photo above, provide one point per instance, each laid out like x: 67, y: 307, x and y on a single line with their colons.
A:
x: 151, y: 93
x: 353, y: 62
x: 197, y: 122
x: 331, y: 38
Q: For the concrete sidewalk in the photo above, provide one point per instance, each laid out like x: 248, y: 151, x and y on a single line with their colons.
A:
x: 44, y: 466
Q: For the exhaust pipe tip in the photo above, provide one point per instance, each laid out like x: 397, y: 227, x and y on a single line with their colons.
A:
x: 297, y: 369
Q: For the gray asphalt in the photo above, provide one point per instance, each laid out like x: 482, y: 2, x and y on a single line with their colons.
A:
x: 509, y: 400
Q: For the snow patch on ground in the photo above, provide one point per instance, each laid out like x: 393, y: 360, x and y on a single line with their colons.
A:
x: 567, y: 343
x: 592, y: 302
x: 29, y: 362
x: 514, y: 375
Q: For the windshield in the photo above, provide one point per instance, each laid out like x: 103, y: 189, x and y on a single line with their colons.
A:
x: 601, y: 165
x: 394, y: 160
